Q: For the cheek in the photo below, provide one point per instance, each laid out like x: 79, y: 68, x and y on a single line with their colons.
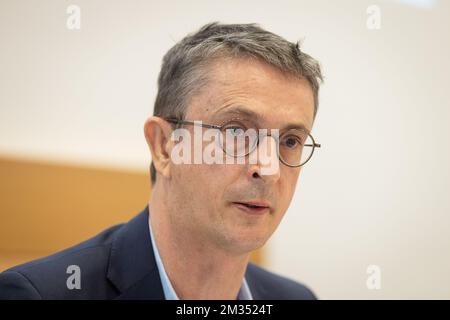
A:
x: 201, y: 182
x: 288, y: 185
x: 213, y: 181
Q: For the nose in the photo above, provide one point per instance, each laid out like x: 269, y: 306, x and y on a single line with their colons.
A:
x: 263, y: 161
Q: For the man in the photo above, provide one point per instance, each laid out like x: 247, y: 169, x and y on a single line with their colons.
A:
x: 194, y: 239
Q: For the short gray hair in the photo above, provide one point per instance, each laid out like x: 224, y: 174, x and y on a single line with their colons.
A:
x: 183, y: 72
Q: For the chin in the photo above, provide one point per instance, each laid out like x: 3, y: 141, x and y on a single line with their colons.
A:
x: 245, y: 242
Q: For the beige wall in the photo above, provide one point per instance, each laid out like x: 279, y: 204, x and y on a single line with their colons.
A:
x: 375, y: 193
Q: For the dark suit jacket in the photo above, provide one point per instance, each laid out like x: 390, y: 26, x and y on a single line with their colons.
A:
x: 119, y: 263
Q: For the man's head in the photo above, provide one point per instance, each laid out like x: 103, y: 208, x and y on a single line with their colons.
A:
x: 217, y: 74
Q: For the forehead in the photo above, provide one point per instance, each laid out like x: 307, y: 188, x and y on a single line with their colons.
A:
x: 271, y: 97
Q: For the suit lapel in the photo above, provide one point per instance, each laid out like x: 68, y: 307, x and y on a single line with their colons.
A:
x: 259, y: 292
x: 132, y: 266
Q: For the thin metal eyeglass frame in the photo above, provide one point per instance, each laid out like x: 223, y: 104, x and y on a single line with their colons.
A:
x: 213, y: 126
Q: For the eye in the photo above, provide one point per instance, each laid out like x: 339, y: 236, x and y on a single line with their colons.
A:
x: 235, y: 129
x: 291, y: 141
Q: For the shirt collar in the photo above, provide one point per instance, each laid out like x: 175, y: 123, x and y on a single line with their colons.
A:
x: 169, y: 292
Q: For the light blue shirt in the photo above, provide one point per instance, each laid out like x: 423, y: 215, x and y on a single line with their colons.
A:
x: 169, y: 292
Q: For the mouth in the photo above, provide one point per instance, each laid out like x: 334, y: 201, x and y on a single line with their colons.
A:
x: 253, y: 207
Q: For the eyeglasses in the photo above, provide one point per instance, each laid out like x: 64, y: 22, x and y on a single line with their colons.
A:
x: 239, y: 137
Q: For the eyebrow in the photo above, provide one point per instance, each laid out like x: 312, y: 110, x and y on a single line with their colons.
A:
x: 244, y: 112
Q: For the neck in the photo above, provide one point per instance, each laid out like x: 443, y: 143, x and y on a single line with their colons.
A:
x: 197, y: 269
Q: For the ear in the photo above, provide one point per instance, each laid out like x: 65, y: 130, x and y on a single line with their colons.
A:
x: 157, y: 132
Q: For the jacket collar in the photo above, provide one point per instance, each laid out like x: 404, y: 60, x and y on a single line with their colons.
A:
x: 132, y: 266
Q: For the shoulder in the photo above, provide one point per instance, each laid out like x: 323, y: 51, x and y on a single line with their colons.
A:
x: 267, y: 285
x: 47, y: 278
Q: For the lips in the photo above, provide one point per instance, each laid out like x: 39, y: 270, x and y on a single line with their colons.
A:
x: 252, y: 205
x: 255, y: 207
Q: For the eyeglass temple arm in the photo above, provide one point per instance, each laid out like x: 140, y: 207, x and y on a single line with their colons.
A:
x: 316, y: 145
x: 204, y: 125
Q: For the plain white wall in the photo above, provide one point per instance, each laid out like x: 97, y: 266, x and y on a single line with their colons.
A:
x: 377, y: 191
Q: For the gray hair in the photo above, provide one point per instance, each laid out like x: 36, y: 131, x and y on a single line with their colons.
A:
x: 183, y: 72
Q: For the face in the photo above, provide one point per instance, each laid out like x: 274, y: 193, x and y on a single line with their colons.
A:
x: 211, y: 201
